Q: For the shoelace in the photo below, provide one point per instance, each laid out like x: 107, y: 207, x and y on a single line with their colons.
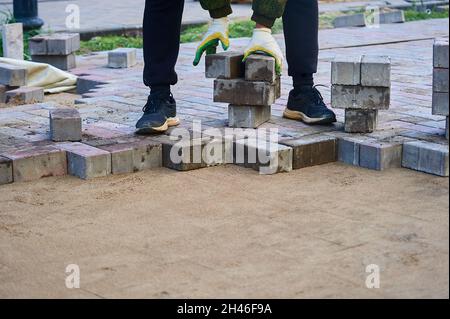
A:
x: 153, y: 101
x: 317, y: 93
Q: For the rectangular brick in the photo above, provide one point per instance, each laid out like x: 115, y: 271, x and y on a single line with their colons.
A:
x: 134, y: 156
x: 11, y: 75
x: 349, y: 149
x: 241, y: 92
x: 397, y: 16
x: 3, y: 89
x: 441, y: 54
x: 86, y: 162
x: 32, y: 163
x: 62, y: 62
x: 122, y: 58
x: 65, y: 125
x: 224, y: 65
x: 376, y: 71
x: 426, y: 157
x: 55, y: 44
x: 12, y: 36
x: 346, y: 71
x: 440, y: 80
x: 260, y: 68
x: 380, y: 155
x: 248, y: 116
x: 266, y: 157
x: 6, y: 171
x: 360, y: 120
x: 25, y: 95
x: 440, y: 104
x: 355, y: 20
x: 360, y: 97
x: 312, y: 150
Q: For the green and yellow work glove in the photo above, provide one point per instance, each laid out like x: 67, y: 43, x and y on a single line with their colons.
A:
x: 263, y: 42
x: 217, y: 32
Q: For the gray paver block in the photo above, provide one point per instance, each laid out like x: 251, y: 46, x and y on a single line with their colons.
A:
x: 62, y: 62
x: 349, y: 149
x: 360, y: 97
x: 376, y: 71
x: 441, y: 54
x: 248, y: 116
x: 397, y: 16
x: 346, y: 71
x: 65, y: 125
x: 6, y: 171
x: 440, y: 80
x: 312, y: 150
x: 446, y: 128
x: 12, y: 40
x: 260, y: 68
x: 380, y: 155
x: 86, y: 162
x: 35, y: 162
x: 25, y: 95
x: 3, y: 89
x: 360, y: 120
x: 426, y: 157
x: 55, y: 44
x: 225, y: 65
x: 11, y: 75
x: 440, y: 104
x: 241, y: 92
x: 266, y: 157
x: 122, y: 58
x: 355, y: 20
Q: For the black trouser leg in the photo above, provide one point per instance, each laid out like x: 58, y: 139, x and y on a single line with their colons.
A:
x: 162, y: 27
x: 301, y: 29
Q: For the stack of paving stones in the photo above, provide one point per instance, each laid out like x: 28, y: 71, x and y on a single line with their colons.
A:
x: 250, y: 89
x: 122, y: 58
x: 12, y: 86
x: 441, y: 79
x: 56, y: 49
x: 361, y: 86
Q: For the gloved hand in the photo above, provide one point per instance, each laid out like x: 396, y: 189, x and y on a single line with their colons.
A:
x: 263, y: 42
x: 218, y: 31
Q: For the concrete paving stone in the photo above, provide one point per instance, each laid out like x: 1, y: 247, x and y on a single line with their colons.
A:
x: 25, y: 95
x: 360, y: 97
x: 264, y: 156
x: 376, y: 71
x: 86, y: 162
x: 122, y: 58
x: 260, y: 68
x: 440, y: 80
x: 6, y: 170
x: 65, y: 125
x: 312, y: 150
x: 346, y: 70
x: 426, y: 157
x: 62, y: 62
x: 11, y: 75
x: 380, y: 155
x: 355, y: 20
x: 35, y: 162
x: 12, y: 40
x: 441, y: 53
x: 397, y: 16
x: 224, y: 65
x: 245, y: 116
x: 440, y: 104
x: 134, y: 156
x: 54, y: 44
x: 241, y: 92
x: 360, y: 120
x: 446, y: 128
x: 3, y: 89
x: 349, y: 148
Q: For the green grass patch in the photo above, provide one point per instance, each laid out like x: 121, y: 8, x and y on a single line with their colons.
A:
x: 413, y: 15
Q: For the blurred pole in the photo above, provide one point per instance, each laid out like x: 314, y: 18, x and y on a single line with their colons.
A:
x: 26, y: 12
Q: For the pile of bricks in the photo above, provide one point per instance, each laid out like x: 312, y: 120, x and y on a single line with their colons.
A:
x: 441, y: 79
x: 249, y: 88
x: 361, y: 86
x: 13, y: 90
x: 55, y: 49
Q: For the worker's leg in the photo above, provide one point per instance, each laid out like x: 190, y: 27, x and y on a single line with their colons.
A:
x: 162, y: 27
x: 301, y: 28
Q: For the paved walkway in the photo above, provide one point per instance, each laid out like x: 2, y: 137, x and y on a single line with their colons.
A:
x: 107, y: 14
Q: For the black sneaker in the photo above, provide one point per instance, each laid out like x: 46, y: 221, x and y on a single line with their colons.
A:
x: 307, y: 105
x: 159, y: 114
